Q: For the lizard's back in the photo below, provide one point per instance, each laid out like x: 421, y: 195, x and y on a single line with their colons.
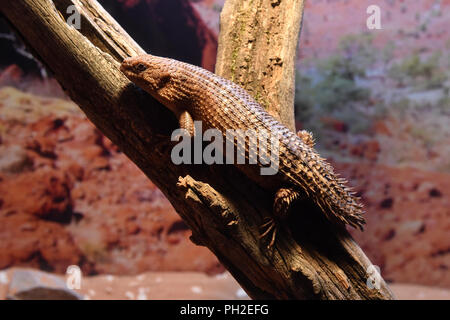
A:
x: 223, y: 105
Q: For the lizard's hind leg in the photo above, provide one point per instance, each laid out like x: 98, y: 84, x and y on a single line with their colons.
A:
x: 270, y: 227
x: 307, y: 137
x: 284, y: 198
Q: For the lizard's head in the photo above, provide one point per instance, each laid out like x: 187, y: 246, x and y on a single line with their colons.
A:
x: 147, y: 71
x: 158, y: 76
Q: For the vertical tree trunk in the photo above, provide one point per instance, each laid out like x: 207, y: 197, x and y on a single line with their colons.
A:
x: 257, y: 50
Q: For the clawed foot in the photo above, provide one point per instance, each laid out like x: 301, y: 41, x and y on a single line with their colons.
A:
x: 270, y: 227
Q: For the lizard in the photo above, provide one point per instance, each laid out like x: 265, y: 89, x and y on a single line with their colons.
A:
x: 195, y: 94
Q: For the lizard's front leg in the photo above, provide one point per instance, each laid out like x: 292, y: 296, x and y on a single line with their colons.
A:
x: 186, y: 122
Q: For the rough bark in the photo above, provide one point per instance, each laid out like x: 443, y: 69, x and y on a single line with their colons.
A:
x: 257, y: 49
x: 311, y: 260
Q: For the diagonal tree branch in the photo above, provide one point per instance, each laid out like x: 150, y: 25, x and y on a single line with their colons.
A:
x: 222, y: 207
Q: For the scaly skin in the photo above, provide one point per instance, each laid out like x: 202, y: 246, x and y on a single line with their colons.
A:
x: 197, y: 94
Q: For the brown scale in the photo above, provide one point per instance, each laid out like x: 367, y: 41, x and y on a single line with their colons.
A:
x: 193, y: 93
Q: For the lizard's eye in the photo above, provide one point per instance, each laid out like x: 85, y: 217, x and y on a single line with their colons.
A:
x: 140, y: 67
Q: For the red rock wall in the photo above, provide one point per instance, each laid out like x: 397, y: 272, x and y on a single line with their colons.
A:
x: 68, y: 196
x: 408, y: 221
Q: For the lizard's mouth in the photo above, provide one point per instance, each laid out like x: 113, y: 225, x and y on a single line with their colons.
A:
x: 127, y: 68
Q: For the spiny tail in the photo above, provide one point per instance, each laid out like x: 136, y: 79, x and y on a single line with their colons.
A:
x: 335, y: 198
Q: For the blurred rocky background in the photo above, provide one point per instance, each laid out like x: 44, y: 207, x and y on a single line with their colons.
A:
x: 377, y: 102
